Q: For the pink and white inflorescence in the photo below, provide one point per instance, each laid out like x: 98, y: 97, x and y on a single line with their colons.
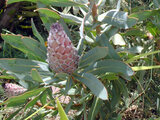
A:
x: 62, y: 56
x: 11, y: 89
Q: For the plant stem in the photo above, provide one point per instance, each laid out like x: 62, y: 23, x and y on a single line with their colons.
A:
x: 94, y: 15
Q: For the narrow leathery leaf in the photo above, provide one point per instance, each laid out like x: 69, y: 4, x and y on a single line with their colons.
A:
x: 62, y: 76
x: 133, y: 32
x: 50, y: 94
x: 27, y: 45
x: 8, y: 77
x: 15, y: 41
x: 141, y: 55
x: 93, y: 84
x: 143, y: 15
x: 131, y: 21
x: 109, y: 65
x: 43, y: 97
x: 49, y: 13
x: 116, y: 92
x: 35, y: 75
x: 117, y: 18
x: 97, y: 103
x: 36, y: 33
x: 71, y: 18
x: 61, y: 111
x: 47, y: 16
x: 24, y: 96
x: 32, y: 102
x: 68, y: 85
x: 138, y: 68
x: 59, y: 3
x: 37, y: 48
x: 22, y: 65
x: 13, y: 1
x: 62, y: 56
x: 124, y: 89
x: 104, y: 41
x: 93, y: 55
x: 17, y: 103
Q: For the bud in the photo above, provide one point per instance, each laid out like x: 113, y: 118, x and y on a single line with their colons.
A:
x: 11, y: 89
x: 62, y: 56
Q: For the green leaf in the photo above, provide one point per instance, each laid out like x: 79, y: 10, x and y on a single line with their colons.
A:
x: 109, y: 65
x: 143, y: 15
x: 35, y: 47
x: 68, y: 85
x: 49, y: 13
x: 116, y: 94
x: 14, y: 100
x: 43, y: 97
x: 93, y: 84
x: 36, y: 33
x: 27, y: 45
x: 13, y: 1
x: 118, y: 19
x: 138, y: 68
x: 59, y: 3
x: 97, y: 103
x: 23, y: 65
x: 69, y: 18
x: 61, y: 111
x: 133, y: 32
x: 49, y: 16
x: 104, y: 41
x: 93, y: 55
x: 35, y: 75
x: 32, y: 102
x: 141, y: 55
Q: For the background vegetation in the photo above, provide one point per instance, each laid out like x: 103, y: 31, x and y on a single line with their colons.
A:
x: 118, y: 73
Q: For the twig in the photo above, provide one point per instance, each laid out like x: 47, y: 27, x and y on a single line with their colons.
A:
x: 94, y: 15
x: 132, y: 102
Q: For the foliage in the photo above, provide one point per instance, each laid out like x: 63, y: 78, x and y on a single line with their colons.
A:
x: 119, y: 49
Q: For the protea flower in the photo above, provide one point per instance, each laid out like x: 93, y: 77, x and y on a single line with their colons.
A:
x: 11, y: 89
x: 62, y: 55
